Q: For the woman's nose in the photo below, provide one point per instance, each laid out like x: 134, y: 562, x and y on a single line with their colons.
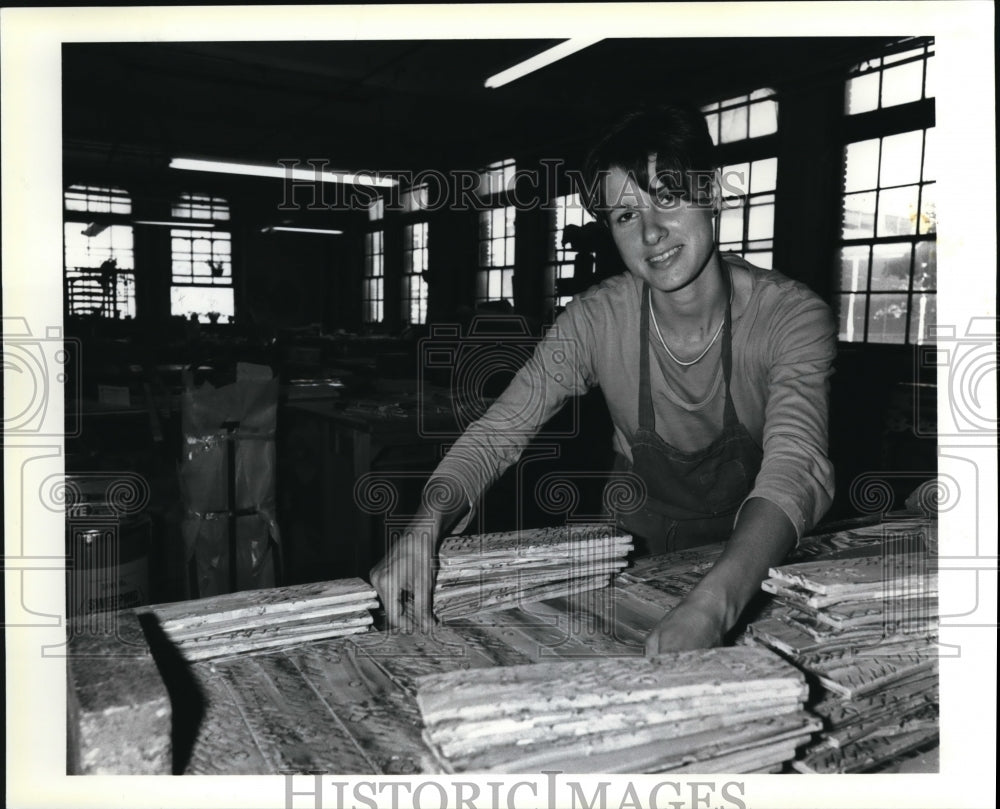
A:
x: 653, y: 229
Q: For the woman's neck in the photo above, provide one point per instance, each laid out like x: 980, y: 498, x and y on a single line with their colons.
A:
x: 694, y: 312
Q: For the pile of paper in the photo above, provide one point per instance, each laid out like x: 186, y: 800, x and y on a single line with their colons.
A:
x: 256, y: 620
x: 864, y: 631
x: 717, y: 710
x: 495, y: 571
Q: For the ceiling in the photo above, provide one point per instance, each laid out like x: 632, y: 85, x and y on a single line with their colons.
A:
x: 393, y: 105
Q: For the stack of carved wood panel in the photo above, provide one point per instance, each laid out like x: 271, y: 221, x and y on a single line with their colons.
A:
x: 717, y: 710
x: 256, y: 620
x: 864, y: 630
x: 489, y: 572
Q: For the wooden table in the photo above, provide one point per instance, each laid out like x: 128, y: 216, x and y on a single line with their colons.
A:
x: 345, y: 705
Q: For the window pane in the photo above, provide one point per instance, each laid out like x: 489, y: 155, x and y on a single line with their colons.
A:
x: 495, y: 286
x: 200, y: 301
x: 891, y: 266
x: 901, y: 158
x: 928, y: 209
x: 887, y: 319
x: 736, y: 179
x: 859, y: 215
x: 852, y: 318
x: 763, y: 118
x: 765, y: 175
x: 861, y: 161
x: 925, y: 265
x: 862, y: 93
x: 482, y: 280
x: 713, y: 126
x: 854, y: 269
x: 930, y: 155
x: 731, y: 225
x: 923, y: 317
x: 761, y: 223
x: 734, y: 124
x: 902, y: 84
x: 897, y: 211
x: 508, y: 285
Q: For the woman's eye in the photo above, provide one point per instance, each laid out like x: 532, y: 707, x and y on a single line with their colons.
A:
x: 624, y: 218
x: 665, y: 199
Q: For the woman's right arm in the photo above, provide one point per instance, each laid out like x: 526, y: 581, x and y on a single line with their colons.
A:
x: 557, y: 370
x: 404, y: 577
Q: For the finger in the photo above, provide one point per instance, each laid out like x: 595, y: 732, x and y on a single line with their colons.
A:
x: 422, y: 607
x: 393, y: 607
x: 653, y: 643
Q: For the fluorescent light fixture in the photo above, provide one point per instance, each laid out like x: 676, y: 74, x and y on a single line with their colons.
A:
x: 176, y: 223
x: 553, y: 54
x: 289, y: 229
x: 280, y: 172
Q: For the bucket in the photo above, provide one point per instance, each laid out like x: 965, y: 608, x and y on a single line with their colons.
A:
x: 107, y: 558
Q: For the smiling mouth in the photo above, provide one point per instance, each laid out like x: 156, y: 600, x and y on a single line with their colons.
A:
x: 662, y: 258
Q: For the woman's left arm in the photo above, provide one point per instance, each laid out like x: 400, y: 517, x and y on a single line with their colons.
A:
x: 793, y: 489
x: 762, y: 537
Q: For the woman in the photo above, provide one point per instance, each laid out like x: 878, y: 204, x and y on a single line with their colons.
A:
x: 716, y: 377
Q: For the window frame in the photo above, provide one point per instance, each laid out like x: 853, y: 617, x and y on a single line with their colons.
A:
x: 216, y: 211
x: 879, y: 124
x: 109, y: 206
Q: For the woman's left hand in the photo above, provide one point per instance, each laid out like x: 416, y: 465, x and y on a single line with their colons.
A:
x: 690, y: 625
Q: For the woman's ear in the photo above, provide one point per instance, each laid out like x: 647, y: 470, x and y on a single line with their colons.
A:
x: 716, y: 198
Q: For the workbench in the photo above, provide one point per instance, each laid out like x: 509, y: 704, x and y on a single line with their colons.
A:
x: 343, y: 705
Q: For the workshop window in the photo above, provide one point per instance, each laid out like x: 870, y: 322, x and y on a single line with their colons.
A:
x: 567, y: 211
x: 376, y: 211
x: 748, y: 116
x: 745, y: 224
x: 415, y: 256
x: 95, y: 199
x: 202, y: 263
x: 888, y: 257
x: 497, y: 178
x: 890, y: 80
x: 495, y: 279
x: 415, y: 199
x: 99, y: 258
x: 373, y: 293
x: 200, y: 207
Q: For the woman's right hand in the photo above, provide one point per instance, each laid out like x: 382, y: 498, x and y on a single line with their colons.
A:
x: 404, y: 578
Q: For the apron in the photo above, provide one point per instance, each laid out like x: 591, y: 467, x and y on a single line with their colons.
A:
x: 691, y: 497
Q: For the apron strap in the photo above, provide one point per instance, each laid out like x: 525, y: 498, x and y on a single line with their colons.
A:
x: 647, y: 421
x: 729, y: 414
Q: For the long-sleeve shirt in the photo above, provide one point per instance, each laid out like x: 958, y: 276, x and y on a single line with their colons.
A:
x: 784, y: 342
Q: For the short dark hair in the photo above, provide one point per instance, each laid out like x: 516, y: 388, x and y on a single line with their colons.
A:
x: 676, y: 133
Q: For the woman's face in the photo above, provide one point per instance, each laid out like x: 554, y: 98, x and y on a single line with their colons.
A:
x: 665, y: 243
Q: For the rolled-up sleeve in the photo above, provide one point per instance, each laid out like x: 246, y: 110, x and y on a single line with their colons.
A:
x: 559, y: 368
x: 796, y: 473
